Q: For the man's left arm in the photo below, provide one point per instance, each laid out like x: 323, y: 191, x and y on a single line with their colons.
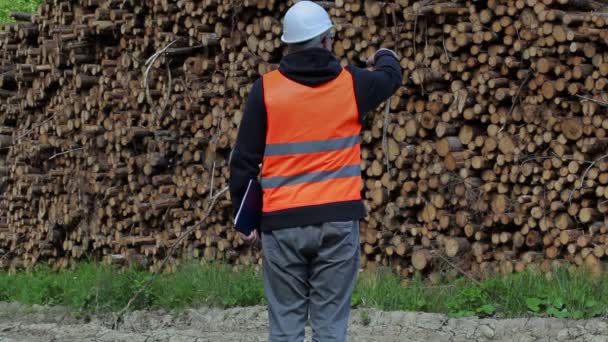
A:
x: 248, y: 151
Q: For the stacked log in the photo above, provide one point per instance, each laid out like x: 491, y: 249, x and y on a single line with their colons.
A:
x: 117, y: 119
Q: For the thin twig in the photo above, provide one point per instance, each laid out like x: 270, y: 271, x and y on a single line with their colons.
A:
x: 445, y: 49
x: 585, y: 175
x: 26, y: 133
x: 35, y: 126
x: 387, y: 108
x: 415, y: 27
x: 212, y: 179
x: 6, y: 254
x: 65, y: 152
x: 460, y: 270
x: 538, y: 158
x: 168, y: 256
x: 516, y: 99
x: 149, y: 62
x: 181, y: 80
x: 395, y: 27
x: 426, y: 34
x: 593, y: 100
x: 169, y: 89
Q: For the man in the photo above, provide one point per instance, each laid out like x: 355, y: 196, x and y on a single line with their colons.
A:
x: 302, y: 124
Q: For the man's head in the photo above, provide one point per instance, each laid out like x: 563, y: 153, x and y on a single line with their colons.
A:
x: 307, y: 25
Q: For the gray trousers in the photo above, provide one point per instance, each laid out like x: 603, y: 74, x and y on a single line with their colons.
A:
x: 310, y: 272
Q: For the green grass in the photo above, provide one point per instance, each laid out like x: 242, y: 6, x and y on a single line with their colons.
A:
x: 565, y: 293
x: 90, y: 287
x: 8, y: 6
x: 99, y: 288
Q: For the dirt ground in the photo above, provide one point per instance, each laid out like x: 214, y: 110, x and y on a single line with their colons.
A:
x: 38, y: 323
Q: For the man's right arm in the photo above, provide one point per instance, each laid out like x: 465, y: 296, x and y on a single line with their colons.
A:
x: 374, y: 87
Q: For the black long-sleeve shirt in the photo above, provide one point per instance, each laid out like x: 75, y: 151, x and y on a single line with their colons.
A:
x: 310, y: 67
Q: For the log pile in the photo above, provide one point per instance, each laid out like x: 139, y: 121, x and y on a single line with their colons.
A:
x: 117, y: 119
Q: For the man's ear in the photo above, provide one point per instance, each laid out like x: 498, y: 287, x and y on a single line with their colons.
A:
x: 325, y: 42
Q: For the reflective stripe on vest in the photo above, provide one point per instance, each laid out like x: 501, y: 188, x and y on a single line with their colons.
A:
x: 311, y: 146
x: 312, y: 153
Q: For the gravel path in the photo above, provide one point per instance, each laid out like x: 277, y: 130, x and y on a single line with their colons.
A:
x: 38, y: 323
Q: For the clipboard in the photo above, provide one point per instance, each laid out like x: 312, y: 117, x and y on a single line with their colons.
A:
x: 248, y: 217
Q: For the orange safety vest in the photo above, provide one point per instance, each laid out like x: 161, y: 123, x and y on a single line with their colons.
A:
x: 313, y: 151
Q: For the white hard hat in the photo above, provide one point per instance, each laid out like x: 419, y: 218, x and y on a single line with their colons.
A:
x: 304, y: 21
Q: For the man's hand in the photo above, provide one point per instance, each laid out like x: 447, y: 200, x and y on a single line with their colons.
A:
x: 387, y: 50
x: 251, y: 238
x: 369, y: 62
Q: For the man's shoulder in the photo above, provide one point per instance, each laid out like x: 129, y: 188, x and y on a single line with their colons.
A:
x: 257, y: 83
x: 269, y: 74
